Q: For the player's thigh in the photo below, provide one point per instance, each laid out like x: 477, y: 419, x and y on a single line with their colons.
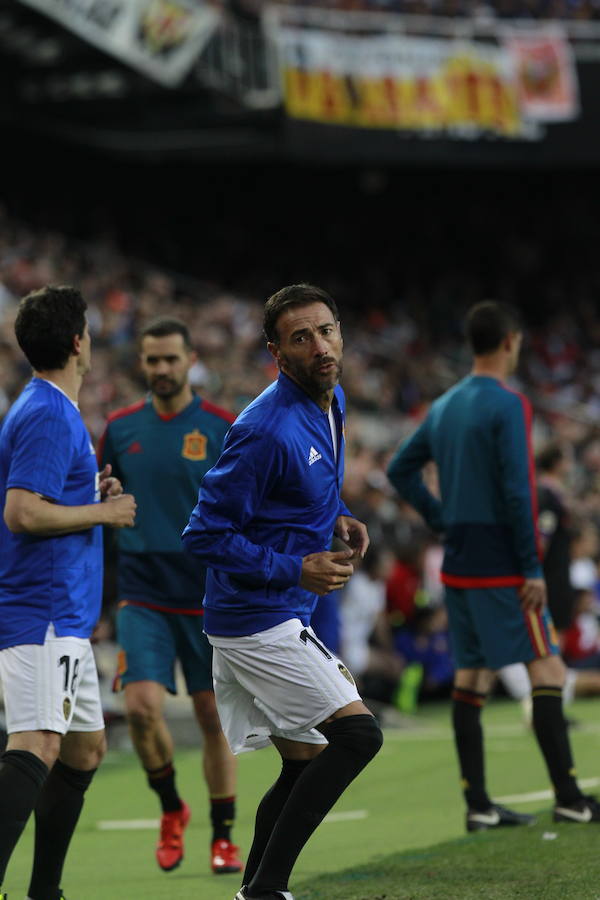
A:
x: 296, y: 749
x: 507, y: 633
x: 194, y: 652
x: 465, y: 642
x: 148, y: 644
x: 51, y: 686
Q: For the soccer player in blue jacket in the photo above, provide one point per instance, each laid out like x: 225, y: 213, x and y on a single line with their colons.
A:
x: 51, y: 587
x: 478, y: 434
x: 265, y: 518
x: 161, y: 448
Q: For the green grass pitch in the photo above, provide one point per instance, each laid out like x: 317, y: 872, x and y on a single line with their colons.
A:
x: 397, y: 833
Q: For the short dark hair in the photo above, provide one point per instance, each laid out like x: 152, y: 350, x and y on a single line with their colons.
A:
x: 549, y: 456
x: 293, y: 295
x: 163, y: 326
x: 47, y: 321
x: 488, y: 323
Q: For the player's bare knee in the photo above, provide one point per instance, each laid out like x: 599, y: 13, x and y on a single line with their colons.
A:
x: 143, y: 706
x: 550, y: 670
x: 479, y: 680
x: 361, y: 734
x: 90, y: 759
x: 43, y: 744
x: 98, y: 751
x: 83, y: 751
x: 143, y: 718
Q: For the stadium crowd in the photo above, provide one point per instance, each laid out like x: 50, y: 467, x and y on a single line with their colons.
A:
x: 398, y: 356
x: 482, y: 10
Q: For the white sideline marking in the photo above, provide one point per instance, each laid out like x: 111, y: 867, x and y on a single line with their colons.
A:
x: 153, y: 824
x: 347, y: 816
x: 128, y: 824
x: 544, y: 795
x: 442, y: 733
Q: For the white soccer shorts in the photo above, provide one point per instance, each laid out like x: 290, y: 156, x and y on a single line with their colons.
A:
x: 51, y: 686
x: 282, y: 681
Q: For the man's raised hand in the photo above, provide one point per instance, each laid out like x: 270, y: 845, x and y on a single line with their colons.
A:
x: 326, y: 571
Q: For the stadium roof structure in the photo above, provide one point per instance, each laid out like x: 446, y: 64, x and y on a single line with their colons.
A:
x: 136, y: 94
x: 55, y: 83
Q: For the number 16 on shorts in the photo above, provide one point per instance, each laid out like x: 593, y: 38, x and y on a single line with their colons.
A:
x: 71, y: 667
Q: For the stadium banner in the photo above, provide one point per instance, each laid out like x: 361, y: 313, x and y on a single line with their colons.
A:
x: 160, y: 38
x: 546, y: 75
x: 427, y: 86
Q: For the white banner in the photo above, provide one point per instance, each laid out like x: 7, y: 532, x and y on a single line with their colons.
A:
x: 160, y: 38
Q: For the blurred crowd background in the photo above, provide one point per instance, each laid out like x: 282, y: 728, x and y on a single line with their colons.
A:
x: 402, y: 310
x: 198, y: 189
x: 581, y: 10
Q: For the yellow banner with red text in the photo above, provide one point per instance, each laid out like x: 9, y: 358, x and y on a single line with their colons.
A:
x: 430, y: 86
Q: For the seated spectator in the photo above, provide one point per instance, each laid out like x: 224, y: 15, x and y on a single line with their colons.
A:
x: 419, y: 626
x: 581, y: 646
x: 366, y: 639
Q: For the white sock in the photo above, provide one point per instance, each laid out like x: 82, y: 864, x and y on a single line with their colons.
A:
x: 515, y: 679
x: 569, y: 688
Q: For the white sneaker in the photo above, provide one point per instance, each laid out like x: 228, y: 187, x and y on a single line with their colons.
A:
x: 272, y: 895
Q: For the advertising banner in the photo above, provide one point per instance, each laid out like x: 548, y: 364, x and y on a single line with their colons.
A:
x: 426, y: 86
x: 545, y: 76
x: 160, y: 38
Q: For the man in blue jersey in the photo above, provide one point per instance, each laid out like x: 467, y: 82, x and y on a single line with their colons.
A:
x: 161, y: 448
x: 265, y: 518
x: 51, y: 587
x: 478, y: 433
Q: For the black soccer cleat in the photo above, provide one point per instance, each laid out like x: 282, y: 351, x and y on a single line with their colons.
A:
x: 496, y: 817
x: 584, y: 810
x: 271, y: 895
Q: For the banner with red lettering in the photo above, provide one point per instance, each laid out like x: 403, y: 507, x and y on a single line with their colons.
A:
x: 430, y: 87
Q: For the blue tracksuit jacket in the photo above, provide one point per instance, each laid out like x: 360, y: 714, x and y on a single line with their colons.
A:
x: 478, y: 433
x: 272, y: 498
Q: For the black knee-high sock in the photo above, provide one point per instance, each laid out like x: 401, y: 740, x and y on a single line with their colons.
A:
x: 22, y: 775
x: 353, y: 742
x: 222, y: 817
x: 269, y: 809
x: 163, y: 782
x: 56, y: 814
x: 553, y: 737
x: 468, y: 737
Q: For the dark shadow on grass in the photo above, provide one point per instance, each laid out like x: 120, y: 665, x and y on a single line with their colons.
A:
x: 503, y: 864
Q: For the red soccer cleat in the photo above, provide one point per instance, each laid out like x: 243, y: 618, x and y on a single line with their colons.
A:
x: 169, y: 850
x: 224, y: 857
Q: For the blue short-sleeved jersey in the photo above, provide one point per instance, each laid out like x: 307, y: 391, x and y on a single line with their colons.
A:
x: 271, y: 499
x: 45, y: 448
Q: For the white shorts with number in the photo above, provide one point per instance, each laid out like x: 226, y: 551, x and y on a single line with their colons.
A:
x: 51, y: 686
x: 282, y: 681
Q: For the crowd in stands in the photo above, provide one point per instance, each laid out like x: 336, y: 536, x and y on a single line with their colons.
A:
x: 483, y: 10
x: 398, y: 356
